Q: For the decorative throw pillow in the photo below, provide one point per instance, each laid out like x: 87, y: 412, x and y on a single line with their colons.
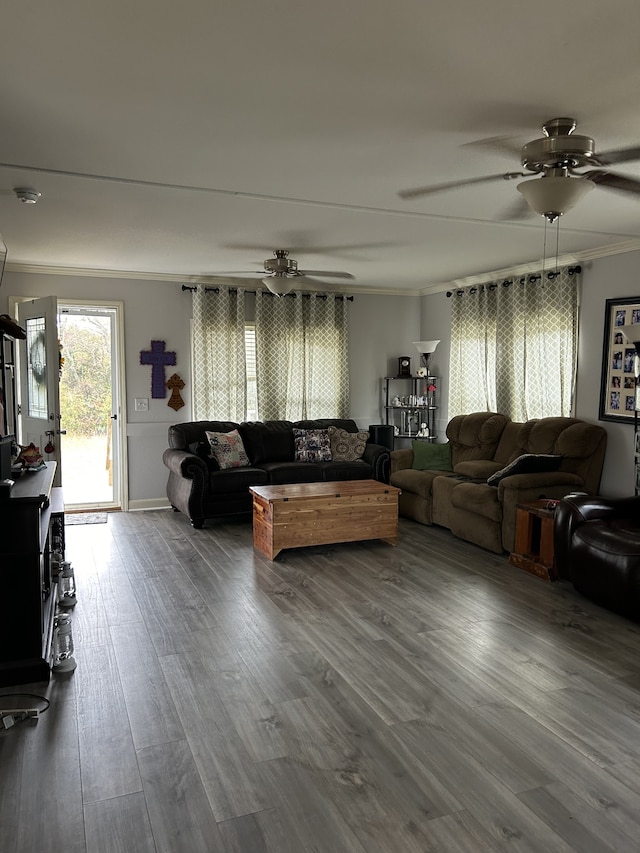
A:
x: 347, y: 446
x: 431, y: 457
x: 312, y: 445
x: 528, y: 463
x: 228, y: 449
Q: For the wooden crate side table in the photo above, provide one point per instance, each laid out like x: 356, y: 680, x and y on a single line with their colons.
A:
x: 533, y: 547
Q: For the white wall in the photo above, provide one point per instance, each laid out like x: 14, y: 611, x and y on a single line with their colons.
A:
x: 381, y: 328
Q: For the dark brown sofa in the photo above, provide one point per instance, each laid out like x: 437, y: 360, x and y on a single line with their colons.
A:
x: 483, y: 443
x: 198, y: 488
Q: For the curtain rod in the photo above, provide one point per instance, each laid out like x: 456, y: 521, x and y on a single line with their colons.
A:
x: 339, y: 297
x: 531, y: 279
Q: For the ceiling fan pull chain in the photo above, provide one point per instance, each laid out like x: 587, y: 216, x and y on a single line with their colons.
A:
x: 557, y: 241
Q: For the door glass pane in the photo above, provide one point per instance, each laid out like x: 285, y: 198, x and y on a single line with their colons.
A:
x: 86, y: 405
x: 37, y: 406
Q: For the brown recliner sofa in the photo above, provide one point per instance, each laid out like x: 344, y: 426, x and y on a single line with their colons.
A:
x: 483, y: 443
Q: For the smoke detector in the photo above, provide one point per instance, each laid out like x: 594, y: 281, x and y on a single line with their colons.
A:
x: 26, y: 195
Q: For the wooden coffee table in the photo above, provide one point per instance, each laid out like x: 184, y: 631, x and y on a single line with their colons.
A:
x: 300, y: 514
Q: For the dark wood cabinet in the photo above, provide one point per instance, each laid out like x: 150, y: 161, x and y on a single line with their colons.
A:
x: 31, y: 514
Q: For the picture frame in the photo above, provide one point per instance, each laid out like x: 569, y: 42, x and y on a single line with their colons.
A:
x: 620, y: 362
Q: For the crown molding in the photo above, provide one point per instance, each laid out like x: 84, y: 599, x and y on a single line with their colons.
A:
x: 192, y: 280
x: 582, y: 257
x: 352, y: 290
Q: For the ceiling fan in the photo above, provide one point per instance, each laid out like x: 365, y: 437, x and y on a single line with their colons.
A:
x: 556, y: 157
x: 280, y: 272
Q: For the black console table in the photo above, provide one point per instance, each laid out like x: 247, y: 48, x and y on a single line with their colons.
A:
x: 29, y: 590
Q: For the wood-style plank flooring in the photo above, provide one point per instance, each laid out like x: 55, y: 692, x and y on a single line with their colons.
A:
x: 354, y: 698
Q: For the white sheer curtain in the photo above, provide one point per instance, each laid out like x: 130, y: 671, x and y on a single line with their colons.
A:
x: 219, y: 367
x: 302, y: 356
x: 513, y: 346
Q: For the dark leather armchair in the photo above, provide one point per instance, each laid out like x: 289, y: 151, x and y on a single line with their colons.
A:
x: 597, y: 548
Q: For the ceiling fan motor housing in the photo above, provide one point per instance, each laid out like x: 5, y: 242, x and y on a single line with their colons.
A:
x: 281, y: 265
x: 559, y: 147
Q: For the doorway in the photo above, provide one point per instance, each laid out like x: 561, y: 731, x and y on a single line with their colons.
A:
x: 91, y: 388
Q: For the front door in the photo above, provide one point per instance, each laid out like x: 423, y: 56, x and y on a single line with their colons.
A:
x: 39, y: 368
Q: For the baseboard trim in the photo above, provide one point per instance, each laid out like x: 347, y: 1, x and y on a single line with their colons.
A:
x: 149, y: 503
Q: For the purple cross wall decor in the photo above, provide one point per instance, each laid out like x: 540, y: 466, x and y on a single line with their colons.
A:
x: 158, y: 359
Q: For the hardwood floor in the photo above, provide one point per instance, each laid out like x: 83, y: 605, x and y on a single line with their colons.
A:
x: 355, y: 698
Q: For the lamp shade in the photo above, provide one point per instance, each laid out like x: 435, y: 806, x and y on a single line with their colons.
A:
x: 279, y: 285
x: 425, y: 346
x: 552, y: 196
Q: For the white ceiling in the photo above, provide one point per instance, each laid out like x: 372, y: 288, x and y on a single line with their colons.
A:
x: 236, y: 127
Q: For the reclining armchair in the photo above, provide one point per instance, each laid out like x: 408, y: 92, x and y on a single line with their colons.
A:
x: 597, y: 548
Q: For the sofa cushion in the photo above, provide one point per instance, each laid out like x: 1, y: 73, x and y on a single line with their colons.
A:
x: 355, y: 470
x: 184, y: 434
x: 228, y: 449
x: 477, y: 469
x: 431, y: 457
x: 475, y: 436
x: 412, y: 481
x: 271, y: 441
x: 347, y: 446
x: 528, y: 463
x: 236, y: 480
x: 478, y: 498
x: 312, y: 445
x: 280, y: 473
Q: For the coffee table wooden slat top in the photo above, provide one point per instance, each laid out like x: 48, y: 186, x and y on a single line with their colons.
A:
x: 303, y: 514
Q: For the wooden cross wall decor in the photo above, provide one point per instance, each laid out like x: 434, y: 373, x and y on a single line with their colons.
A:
x: 175, y: 384
x: 158, y: 358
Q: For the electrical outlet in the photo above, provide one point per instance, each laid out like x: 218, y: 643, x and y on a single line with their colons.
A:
x: 141, y: 404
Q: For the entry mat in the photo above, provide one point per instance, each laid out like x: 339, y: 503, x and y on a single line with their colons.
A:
x: 85, y: 518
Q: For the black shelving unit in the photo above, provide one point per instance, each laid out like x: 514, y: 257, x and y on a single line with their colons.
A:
x: 417, y: 407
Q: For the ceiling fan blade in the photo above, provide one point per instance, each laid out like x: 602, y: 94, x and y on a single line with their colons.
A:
x: 621, y: 155
x: 451, y: 185
x: 254, y: 273
x: 612, y: 181
x: 326, y: 273
x: 517, y: 211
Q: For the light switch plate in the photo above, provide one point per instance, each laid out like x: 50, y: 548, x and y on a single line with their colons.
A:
x: 142, y: 404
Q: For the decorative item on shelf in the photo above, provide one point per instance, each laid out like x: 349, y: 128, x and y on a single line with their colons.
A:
x: 66, y: 586
x: 404, y: 365
x: 30, y: 457
x: 158, y: 359
x: 175, y: 384
x: 424, y: 431
x: 431, y: 394
x: 426, y: 349
x: 63, y: 659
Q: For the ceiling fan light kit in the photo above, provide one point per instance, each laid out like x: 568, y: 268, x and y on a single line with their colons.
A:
x: 279, y: 284
x: 552, y: 195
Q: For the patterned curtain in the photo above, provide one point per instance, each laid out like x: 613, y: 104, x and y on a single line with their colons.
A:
x: 219, y: 369
x: 514, y: 345
x: 302, y: 356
